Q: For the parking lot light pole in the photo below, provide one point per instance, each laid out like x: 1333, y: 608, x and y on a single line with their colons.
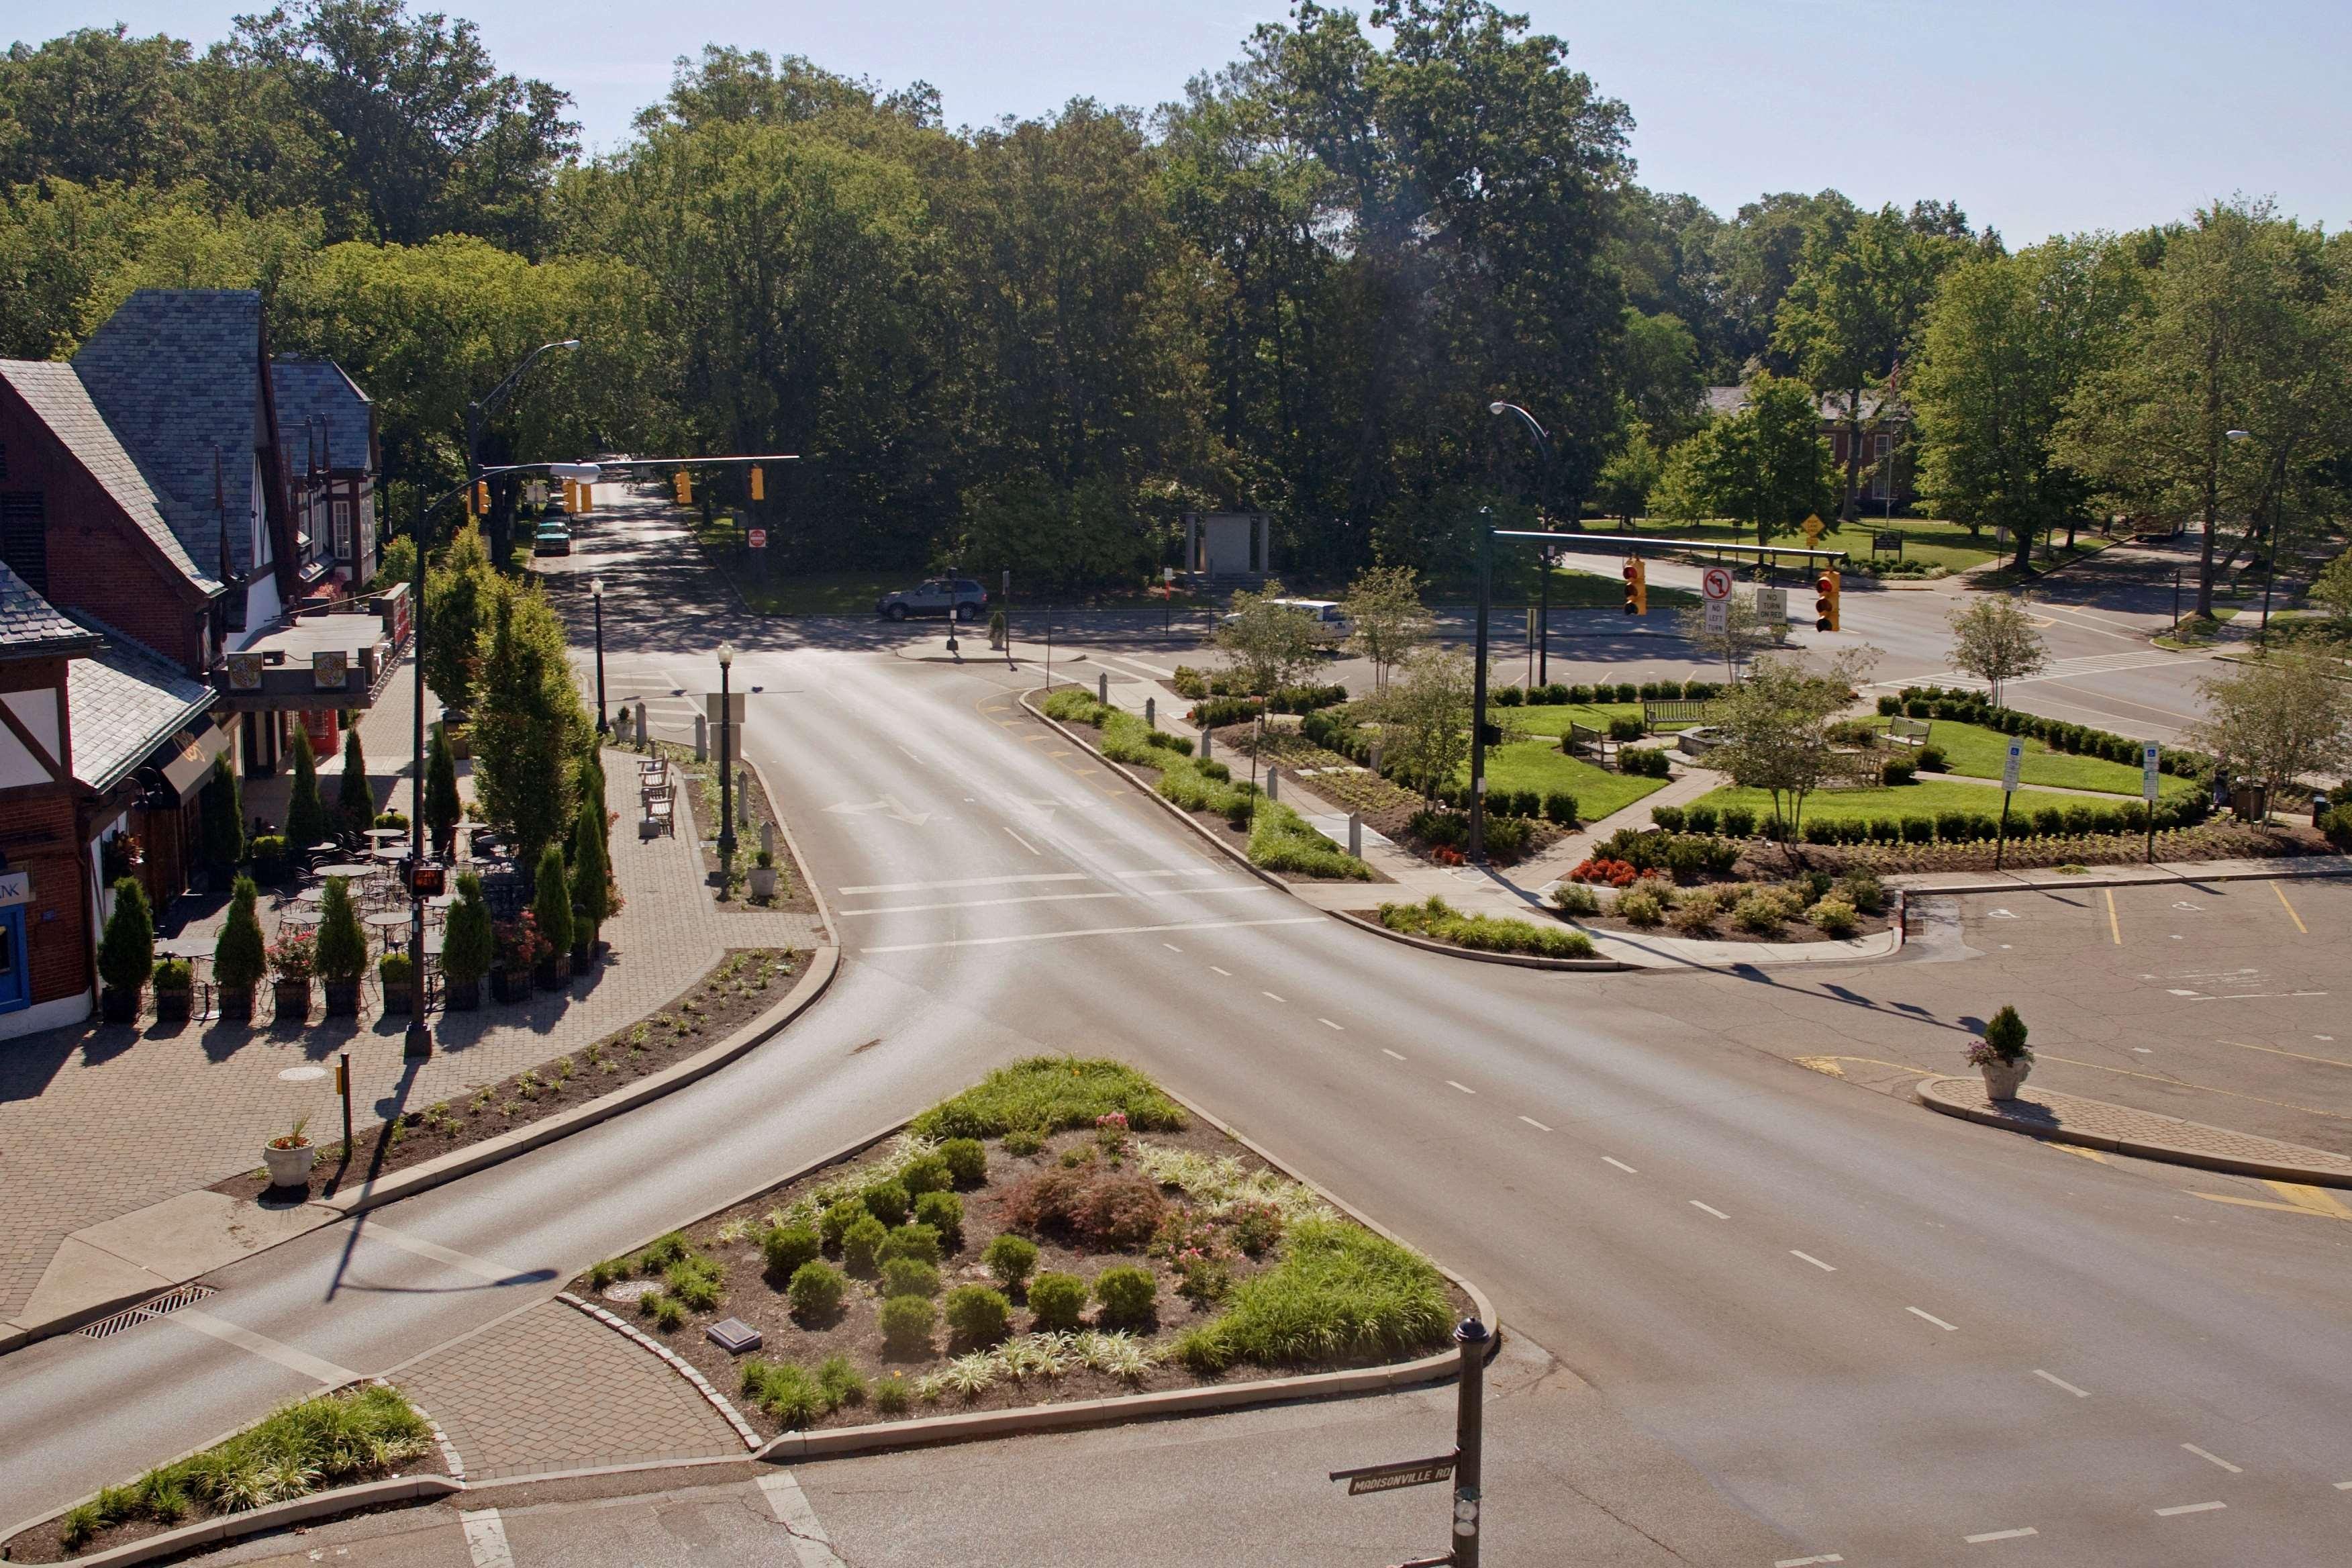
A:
x: 1479, y: 690
x: 1543, y: 447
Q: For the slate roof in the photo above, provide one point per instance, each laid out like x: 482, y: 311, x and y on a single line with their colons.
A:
x: 175, y: 372
x: 123, y: 702
x: 1728, y: 400
x: 316, y: 391
x: 30, y: 624
x: 57, y: 396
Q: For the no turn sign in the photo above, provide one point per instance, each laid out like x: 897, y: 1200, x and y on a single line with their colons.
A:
x: 759, y: 539
x: 1715, y: 583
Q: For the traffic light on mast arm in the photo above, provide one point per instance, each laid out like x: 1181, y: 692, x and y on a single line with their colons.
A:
x: 684, y: 483
x: 758, y: 484
x: 1825, y: 600
x: 1637, y: 587
x: 481, y: 498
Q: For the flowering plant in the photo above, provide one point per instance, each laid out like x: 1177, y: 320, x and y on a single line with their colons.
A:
x: 520, y: 944
x: 1110, y: 1131
x: 1616, y: 873
x: 294, y: 956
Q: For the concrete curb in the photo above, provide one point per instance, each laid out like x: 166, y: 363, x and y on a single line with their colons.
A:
x: 823, y: 964
x: 1930, y: 1093
x: 274, y: 1516
x: 677, y: 1365
x: 2164, y: 873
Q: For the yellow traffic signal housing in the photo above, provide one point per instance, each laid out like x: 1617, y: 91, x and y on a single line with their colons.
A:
x: 685, y: 483
x: 1825, y: 602
x: 586, y: 496
x: 758, y: 484
x: 1637, y: 587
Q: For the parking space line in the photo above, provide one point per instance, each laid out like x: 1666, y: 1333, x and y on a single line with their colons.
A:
x: 1808, y: 1562
x: 1226, y: 973
x: 2290, y: 910
x: 486, y: 1539
x: 2190, y: 1507
x: 1271, y: 997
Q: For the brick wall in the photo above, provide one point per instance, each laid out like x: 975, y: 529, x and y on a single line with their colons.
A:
x: 37, y: 831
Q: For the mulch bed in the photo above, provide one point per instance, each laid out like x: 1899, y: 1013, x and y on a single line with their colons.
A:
x: 730, y: 993
x: 735, y: 899
x: 747, y: 1295
x: 1723, y: 930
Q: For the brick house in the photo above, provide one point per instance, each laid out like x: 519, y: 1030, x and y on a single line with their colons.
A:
x: 1885, y: 436
x: 47, y: 946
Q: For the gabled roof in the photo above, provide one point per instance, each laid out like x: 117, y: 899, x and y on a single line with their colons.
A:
x: 30, y: 627
x: 57, y: 397
x: 1728, y: 400
x: 121, y: 703
x: 315, y: 394
x: 177, y: 373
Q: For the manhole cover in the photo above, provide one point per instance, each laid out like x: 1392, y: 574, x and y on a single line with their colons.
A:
x: 631, y: 1289
x: 303, y: 1075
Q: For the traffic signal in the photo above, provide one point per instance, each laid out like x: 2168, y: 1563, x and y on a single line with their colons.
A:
x: 481, y: 498
x: 1637, y: 587
x: 684, y: 482
x: 758, y: 484
x: 587, y: 496
x: 1825, y: 602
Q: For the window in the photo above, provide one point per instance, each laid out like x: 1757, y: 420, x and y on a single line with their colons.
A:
x: 25, y: 538
x: 342, y: 511
x: 1881, y: 475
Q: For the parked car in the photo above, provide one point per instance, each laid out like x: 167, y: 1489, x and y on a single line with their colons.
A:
x: 551, y: 537
x: 938, y: 597
x: 1331, y: 627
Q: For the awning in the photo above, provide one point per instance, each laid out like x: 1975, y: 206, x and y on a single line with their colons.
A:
x: 187, y: 760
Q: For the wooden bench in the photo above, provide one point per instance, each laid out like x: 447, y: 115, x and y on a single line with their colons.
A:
x: 661, y: 819
x: 1902, y: 732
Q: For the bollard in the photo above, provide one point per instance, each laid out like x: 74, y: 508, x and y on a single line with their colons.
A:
x: 768, y: 839
x: 1469, y: 1440
x: 1102, y: 688
x: 1151, y: 713
x: 641, y: 723
x: 1204, y: 742
x: 1376, y: 756
x: 701, y: 739
x: 744, y: 797
x: 1356, y: 834
x: 1271, y: 775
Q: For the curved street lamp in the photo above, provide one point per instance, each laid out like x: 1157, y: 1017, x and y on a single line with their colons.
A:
x: 726, y: 769
x: 1543, y: 623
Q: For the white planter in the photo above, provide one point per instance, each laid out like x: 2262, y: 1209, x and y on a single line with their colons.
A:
x: 763, y: 881
x: 2003, y: 1079
x: 289, y: 1167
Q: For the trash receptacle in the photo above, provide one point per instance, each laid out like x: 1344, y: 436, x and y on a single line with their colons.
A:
x: 2252, y: 802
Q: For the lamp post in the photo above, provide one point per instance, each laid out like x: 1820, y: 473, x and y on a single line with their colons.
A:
x: 726, y: 769
x: 1543, y: 447
x: 1478, y: 691
x: 477, y: 417
x: 596, y: 593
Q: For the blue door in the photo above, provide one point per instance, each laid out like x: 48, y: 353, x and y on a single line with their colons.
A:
x: 16, y: 977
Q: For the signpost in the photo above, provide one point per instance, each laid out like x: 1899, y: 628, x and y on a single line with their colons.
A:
x: 1772, y: 606
x: 1461, y: 1467
x: 2010, y: 769
x: 1389, y: 1478
x: 759, y: 539
x: 1714, y: 589
x: 1812, y: 529
x: 2152, y: 756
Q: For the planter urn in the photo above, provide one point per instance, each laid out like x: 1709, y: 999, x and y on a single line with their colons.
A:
x: 395, y: 997
x: 463, y: 995
x: 119, y: 1003
x: 510, y: 984
x: 2002, y: 1079
x: 342, y: 998
x: 293, y: 999
x: 554, y: 974
x: 289, y: 1162
x: 763, y: 882
x: 174, y: 1007
x: 237, y: 1005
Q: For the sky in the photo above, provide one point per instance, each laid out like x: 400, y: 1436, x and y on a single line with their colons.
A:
x: 2041, y: 118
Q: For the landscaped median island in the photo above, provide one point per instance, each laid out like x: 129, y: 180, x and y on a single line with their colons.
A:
x: 363, y: 1432
x: 1061, y: 1231
x: 1438, y: 921
x: 1638, y: 882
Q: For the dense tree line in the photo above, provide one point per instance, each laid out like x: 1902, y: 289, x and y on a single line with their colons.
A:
x: 1037, y: 343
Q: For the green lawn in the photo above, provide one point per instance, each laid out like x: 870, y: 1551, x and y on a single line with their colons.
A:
x: 1979, y: 752
x: 1541, y: 766
x: 1552, y: 719
x: 1903, y: 800
x: 1936, y: 542
x: 1518, y: 584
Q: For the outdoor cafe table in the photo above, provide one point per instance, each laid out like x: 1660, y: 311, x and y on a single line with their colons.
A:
x: 391, y: 851
x: 348, y: 868
x: 387, y: 833
x: 192, y: 948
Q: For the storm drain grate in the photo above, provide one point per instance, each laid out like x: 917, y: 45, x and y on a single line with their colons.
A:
x: 171, y: 1300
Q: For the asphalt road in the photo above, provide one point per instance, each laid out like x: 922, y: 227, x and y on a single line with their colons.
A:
x: 1817, y: 1320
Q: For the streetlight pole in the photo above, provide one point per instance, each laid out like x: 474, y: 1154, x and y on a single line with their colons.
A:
x: 1478, y: 691
x: 1543, y: 447
x: 596, y: 593
x: 478, y: 419
x: 727, y: 769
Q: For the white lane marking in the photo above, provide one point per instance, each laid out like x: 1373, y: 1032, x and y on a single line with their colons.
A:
x: 914, y: 758
x: 1708, y: 1208
x: 1226, y: 973
x: 2061, y: 1382
x: 2213, y: 1459
x: 1612, y: 1160
x: 2343, y: 1486
x: 265, y: 1347
x: 1534, y: 1123
x: 1171, y: 947
x: 2190, y: 1507
x: 1091, y: 930
x: 1025, y: 844
x: 1463, y: 1086
x: 984, y: 903
x: 812, y: 1548
x: 1948, y: 1328
x: 1329, y: 1024
x: 1386, y: 1052
x: 1808, y: 1562
x: 1998, y: 1535
x: 1824, y: 1267
x: 486, y: 1539
x: 1270, y: 996
x: 1194, y: 872
x: 372, y: 1229
x: 963, y: 882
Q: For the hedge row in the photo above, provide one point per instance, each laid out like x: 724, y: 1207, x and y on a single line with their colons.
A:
x: 1974, y: 708
x: 1556, y: 694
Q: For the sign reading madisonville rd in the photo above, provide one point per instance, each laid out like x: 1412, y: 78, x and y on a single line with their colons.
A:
x: 1402, y: 1473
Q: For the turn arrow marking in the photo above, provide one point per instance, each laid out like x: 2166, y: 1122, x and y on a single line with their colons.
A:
x: 889, y: 805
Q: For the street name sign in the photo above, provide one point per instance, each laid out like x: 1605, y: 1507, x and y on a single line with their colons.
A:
x: 2149, y: 756
x: 1402, y: 1473
x: 2014, y: 765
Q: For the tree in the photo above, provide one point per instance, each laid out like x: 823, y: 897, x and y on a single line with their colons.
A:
x: 355, y: 798
x: 1628, y: 478
x: 343, y: 943
x: 2278, y: 722
x: 224, y: 814
x: 551, y: 900
x: 1386, y: 617
x: 126, y: 953
x: 442, y: 808
x: 1267, y: 644
x: 1424, y: 721
x: 1766, y: 466
x: 2006, y: 343
x: 1680, y: 494
x: 591, y: 872
x: 469, y: 941
x: 1776, y: 730
x: 306, y: 814
x: 458, y: 596
x: 2332, y: 592
x: 240, y: 957
x: 1994, y: 640
x: 528, y: 722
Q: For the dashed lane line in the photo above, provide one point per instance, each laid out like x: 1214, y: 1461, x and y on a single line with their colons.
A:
x: 1271, y: 997
x: 1091, y: 930
x: 1808, y: 1562
x: 963, y: 882
x: 1708, y: 1208
x: 1386, y: 1052
x: 2213, y: 1459
x: 1226, y: 973
x: 1948, y: 1328
x: 1612, y: 1160
x: 1534, y: 1123
x: 1041, y: 898
x: 1824, y: 1267
x: 1171, y: 947
x: 1463, y: 1086
x: 2054, y: 1380
x: 1329, y: 1024
x: 2189, y: 1507
x: 1998, y: 1535
x: 1024, y: 843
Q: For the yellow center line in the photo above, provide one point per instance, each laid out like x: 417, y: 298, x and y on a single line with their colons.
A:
x: 2250, y: 1046
x: 2115, y: 928
x: 2290, y: 910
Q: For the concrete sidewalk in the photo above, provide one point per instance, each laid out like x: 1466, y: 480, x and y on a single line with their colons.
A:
x: 2125, y: 1130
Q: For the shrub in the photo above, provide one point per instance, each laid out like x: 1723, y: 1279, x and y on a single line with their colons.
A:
x: 695, y: 1282
x: 1647, y: 763
x: 1055, y: 1301
x: 1011, y: 1258
x: 1052, y: 1094
x: 942, y: 1213
x: 1896, y: 771
x: 1189, y: 683
x: 1833, y: 918
x: 925, y: 1174
x: 1930, y: 759
x: 1024, y: 1141
x: 967, y: 1161
x: 816, y: 1292
x: 1864, y: 891
x: 1219, y: 712
x: 1918, y: 830
x: 977, y: 1315
x: 886, y: 1201
x: 859, y: 1244
x: 1281, y: 840
x: 1487, y: 934
x: 1575, y: 899
x: 126, y: 955
x: 1507, y: 837
x: 1889, y: 705
x: 1098, y: 1207
x: 1340, y: 1292
x: 2335, y: 826
x: 909, y: 1277
x: 906, y: 1323
x: 1759, y: 913
x: 1739, y: 821
x: 1696, y: 819
x: 785, y: 1247
x: 1641, y: 907
x: 1622, y: 730
x: 1444, y: 828
x: 394, y: 969
x: 668, y: 1313
x: 834, y: 1223
x: 890, y: 1397
x: 1695, y: 915
x: 467, y: 940
x: 2004, y: 1040
x: 911, y: 1241
x: 1669, y: 818
x: 1125, y: 1296
x: 1559, y: 806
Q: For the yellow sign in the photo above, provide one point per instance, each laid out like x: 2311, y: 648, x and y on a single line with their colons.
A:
x: 1813, y: 528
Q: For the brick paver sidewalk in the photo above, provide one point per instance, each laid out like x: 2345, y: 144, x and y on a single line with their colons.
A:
x: 2100, y: 1125
x: 509, y: 1398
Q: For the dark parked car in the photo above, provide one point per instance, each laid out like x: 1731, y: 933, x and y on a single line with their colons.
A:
x: 936, y: 598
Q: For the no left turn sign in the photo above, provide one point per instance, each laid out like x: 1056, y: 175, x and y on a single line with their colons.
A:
x: 1716, y: 583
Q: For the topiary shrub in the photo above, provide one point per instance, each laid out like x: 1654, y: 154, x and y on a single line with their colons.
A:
x: 1057, y: 1300
x: 816, y: 1292
x: 1011, y: 1258
x: 967, y: 1161
x: 126, y: 954
x: 1125, y: 1296
x: 1833, y: 917
x: 859, y: 1244
x: 910, y: 1241
x: 2004, y: 1040
x: 1669, y: 818
x: 925, y: 1174
x: 886, y: 1201
x: 941, y: 1212
x: 1699, y: 818
x: 906, y: 1323
x: 834, y: 1223
x: 784, y: 1247
x: 977, y: 1315
x: 909, y: 1277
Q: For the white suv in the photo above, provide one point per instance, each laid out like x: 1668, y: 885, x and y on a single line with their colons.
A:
x: 938, y: 597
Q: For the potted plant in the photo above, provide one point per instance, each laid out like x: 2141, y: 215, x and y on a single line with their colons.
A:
x: 395, y: 970
x: 2002, y: 1055
x: 293, y: 959
x: 269, y: 858
x: 763, y: 876
x: 290, y: 1157
x: 126, y: 956
x: 176, y: 989
x: 519, y: 947
x: 340, y: 952
x: 467, y: 945
x: 593, y: 898
x: 551, y: 908
x: 239, y: 958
